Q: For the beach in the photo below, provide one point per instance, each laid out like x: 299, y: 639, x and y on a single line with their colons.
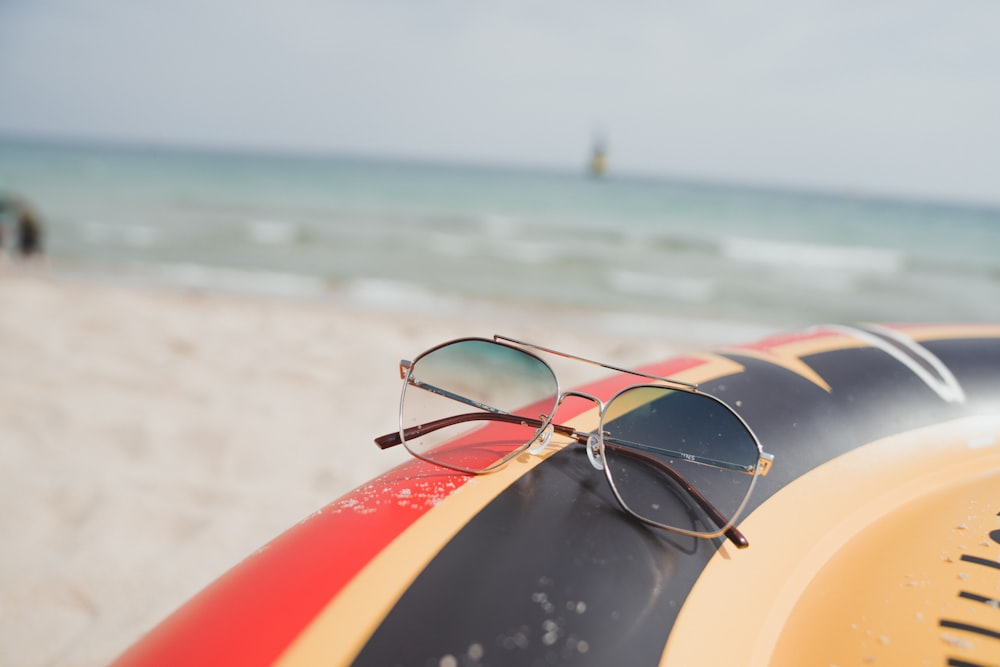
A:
x: 153, y: 436
x: 213, y: 340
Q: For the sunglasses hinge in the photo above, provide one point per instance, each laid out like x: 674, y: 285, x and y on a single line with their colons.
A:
x: 764, y: 463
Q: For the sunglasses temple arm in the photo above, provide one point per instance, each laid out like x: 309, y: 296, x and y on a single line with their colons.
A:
x: 733, y: 533
x: 393, y: 439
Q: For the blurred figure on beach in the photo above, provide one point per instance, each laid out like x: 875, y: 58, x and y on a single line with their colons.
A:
x: 27, y: 228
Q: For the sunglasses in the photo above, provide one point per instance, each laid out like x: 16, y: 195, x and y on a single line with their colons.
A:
x: 676, y: 457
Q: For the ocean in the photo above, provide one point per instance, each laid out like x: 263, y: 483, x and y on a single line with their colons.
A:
x: 622, y: 254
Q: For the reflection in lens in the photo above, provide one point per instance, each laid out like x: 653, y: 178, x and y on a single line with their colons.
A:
x: 477, y: 401
x: 665, y: 448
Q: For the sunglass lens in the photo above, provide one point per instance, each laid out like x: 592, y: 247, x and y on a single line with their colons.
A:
x: 471, y: 404
x: 678, y: 459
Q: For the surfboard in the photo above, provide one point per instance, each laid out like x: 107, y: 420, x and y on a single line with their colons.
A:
x: 875, y: 537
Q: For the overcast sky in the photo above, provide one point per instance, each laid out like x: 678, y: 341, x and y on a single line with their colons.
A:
x: 896, y: 97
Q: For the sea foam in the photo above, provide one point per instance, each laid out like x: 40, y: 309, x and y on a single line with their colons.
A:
x: 811, y: 255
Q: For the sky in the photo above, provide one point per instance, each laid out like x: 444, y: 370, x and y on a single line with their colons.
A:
x: 890, y: 97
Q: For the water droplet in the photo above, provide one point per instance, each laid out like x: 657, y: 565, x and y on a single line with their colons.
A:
x: 475, y: 652
x: 957, y: 642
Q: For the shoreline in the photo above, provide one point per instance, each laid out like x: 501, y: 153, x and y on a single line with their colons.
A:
x: 390, y: 297
x: 155, y: 435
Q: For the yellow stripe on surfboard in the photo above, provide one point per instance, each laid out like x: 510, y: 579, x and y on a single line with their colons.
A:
x: 339, y: 632
x: 856, y: 561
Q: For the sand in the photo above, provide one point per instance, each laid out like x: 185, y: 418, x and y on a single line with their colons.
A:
x: 152, y: 437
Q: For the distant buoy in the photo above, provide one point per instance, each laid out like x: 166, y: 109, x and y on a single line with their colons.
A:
x: 599, y: 160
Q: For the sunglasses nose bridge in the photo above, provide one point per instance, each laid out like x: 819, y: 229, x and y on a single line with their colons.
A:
x: 593, y: 441
x: 544, y: 435
x: 590, y: 440
x: 579, y: 394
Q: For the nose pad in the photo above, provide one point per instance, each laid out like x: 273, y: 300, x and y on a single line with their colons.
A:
x: 594, y: 451
x: 542, y: 440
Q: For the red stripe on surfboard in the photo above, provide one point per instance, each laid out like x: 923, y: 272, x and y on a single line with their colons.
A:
x: 774, y: 342
x: 251, y: 614
x: 671, y: 367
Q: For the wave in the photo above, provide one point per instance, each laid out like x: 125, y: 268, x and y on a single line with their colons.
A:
x: 132, y: 236
x: 815, y: 256
x: 525, y: 251
x: 496, y: 225
x: 448, y: 244
x: 273, y: 232
x: 271, y: 283
x: 398, y: 295
x: 693, y: 290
